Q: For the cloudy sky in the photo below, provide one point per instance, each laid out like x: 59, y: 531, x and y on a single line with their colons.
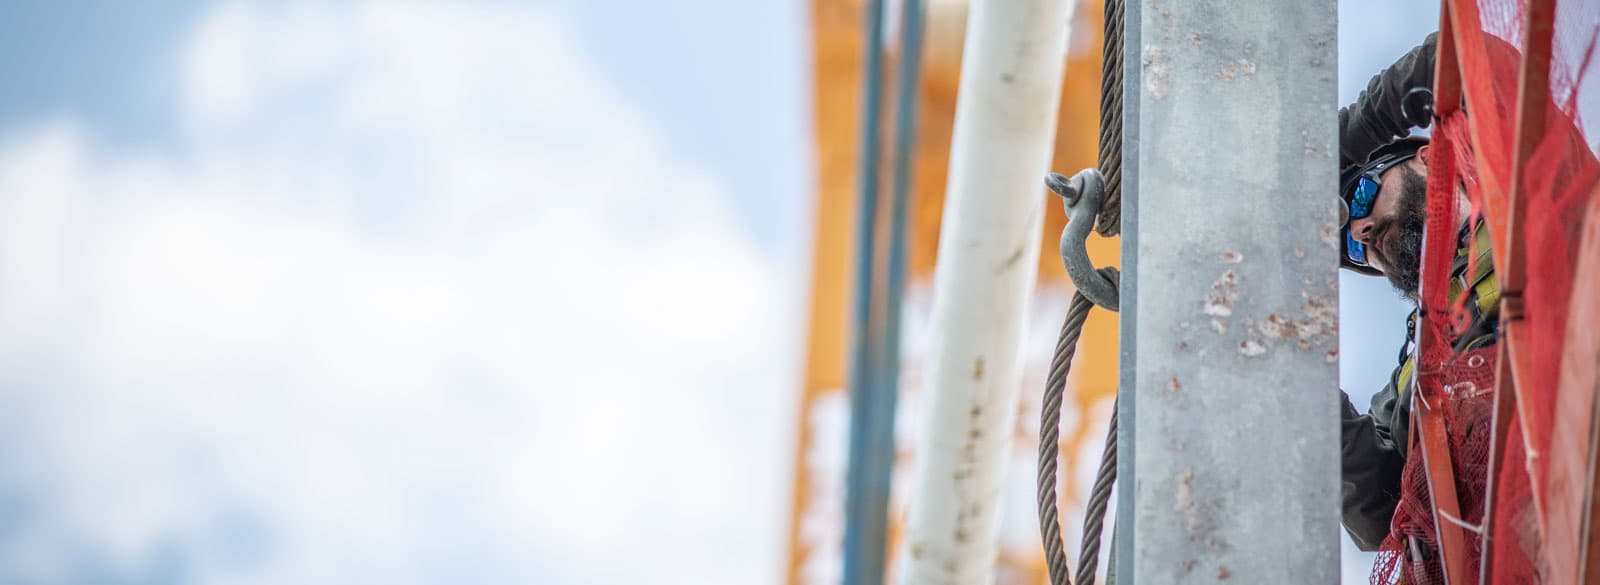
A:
x: 406, y: 292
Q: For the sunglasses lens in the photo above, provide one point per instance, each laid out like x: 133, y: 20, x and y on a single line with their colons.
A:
x: 1355, y: 251
x: 1361, y: 201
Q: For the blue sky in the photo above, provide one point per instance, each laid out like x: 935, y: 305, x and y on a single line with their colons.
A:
x: 396, y: 292
x: 98, y: 60
x: 732, y: 95
x: 423, y: 293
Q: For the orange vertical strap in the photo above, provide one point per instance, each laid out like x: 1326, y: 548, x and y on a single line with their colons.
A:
x: 1446, y: 68
x: 1589, y: 263
x: 1427, y: 412
x: 1505, y: 409
x: 1533, y: 106
x: 1427, y: 418
x: 1431, y: 435
x: 1468, y: 51
x: 1533, y: 101
x: 1572, y: 523
x: 1533, y: 98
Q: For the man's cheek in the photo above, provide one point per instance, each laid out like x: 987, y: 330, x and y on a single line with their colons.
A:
x: 1373, y: 260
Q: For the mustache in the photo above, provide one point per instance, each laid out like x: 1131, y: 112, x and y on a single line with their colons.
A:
x: 1388, y: 233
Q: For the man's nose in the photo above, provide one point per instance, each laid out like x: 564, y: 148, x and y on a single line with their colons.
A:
x: 1361, y: 230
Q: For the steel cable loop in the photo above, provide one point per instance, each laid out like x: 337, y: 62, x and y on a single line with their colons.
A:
x: 1049, y: 438
x: 1108, y: 224
x: 1110, y: 155
x: 1049, y: 455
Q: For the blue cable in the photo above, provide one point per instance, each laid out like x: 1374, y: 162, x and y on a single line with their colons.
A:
x: 875, y: 351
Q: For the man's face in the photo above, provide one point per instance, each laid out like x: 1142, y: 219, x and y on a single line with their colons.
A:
x: 1393, y: 231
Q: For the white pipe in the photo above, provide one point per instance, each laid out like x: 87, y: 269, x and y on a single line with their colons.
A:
x: 988, y: 260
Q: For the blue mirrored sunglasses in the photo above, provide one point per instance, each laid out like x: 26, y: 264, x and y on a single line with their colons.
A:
x: 1365, y: 193
x: 1354, y: 251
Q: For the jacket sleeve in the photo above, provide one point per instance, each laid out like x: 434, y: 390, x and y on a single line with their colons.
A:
x: 1379, y: 115
x: 1372, y: 462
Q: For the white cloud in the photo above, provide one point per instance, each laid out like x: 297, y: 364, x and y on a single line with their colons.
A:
x: 417, y: 298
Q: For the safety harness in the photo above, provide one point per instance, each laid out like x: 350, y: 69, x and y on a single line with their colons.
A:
x: 1482, y: 306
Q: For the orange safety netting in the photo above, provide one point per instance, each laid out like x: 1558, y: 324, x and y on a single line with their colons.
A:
x: 1518, y: 143
x: 1412, y: 552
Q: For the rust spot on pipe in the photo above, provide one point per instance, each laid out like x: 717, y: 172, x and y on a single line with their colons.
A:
x: 1011, y: 260
x: 1156, y: 72
x: 1219, y: 302
x: 1240, y: 68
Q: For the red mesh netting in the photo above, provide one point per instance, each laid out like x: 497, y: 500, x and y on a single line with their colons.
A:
x: 1477, y: 151
x: 1557, y: 179
x: 1411, y: 553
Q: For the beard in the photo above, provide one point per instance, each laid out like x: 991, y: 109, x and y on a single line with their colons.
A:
x: 1401, y: 249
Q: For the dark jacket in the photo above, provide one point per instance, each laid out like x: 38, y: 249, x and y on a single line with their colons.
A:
x: 1381, y: 113
x: 1373, y: 452
x: 1373, y: 445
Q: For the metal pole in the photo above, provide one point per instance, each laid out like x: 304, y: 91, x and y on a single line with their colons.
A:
x: 871, y: 454
x: 888, y: 368
x: 988, y: 260
x: 1234, y: 313
x: 1120, y: 569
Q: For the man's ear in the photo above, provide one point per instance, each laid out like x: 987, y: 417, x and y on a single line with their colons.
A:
x: 1422, y: 156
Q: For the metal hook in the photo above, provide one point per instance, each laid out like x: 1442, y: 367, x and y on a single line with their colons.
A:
x: 1082, y: 196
